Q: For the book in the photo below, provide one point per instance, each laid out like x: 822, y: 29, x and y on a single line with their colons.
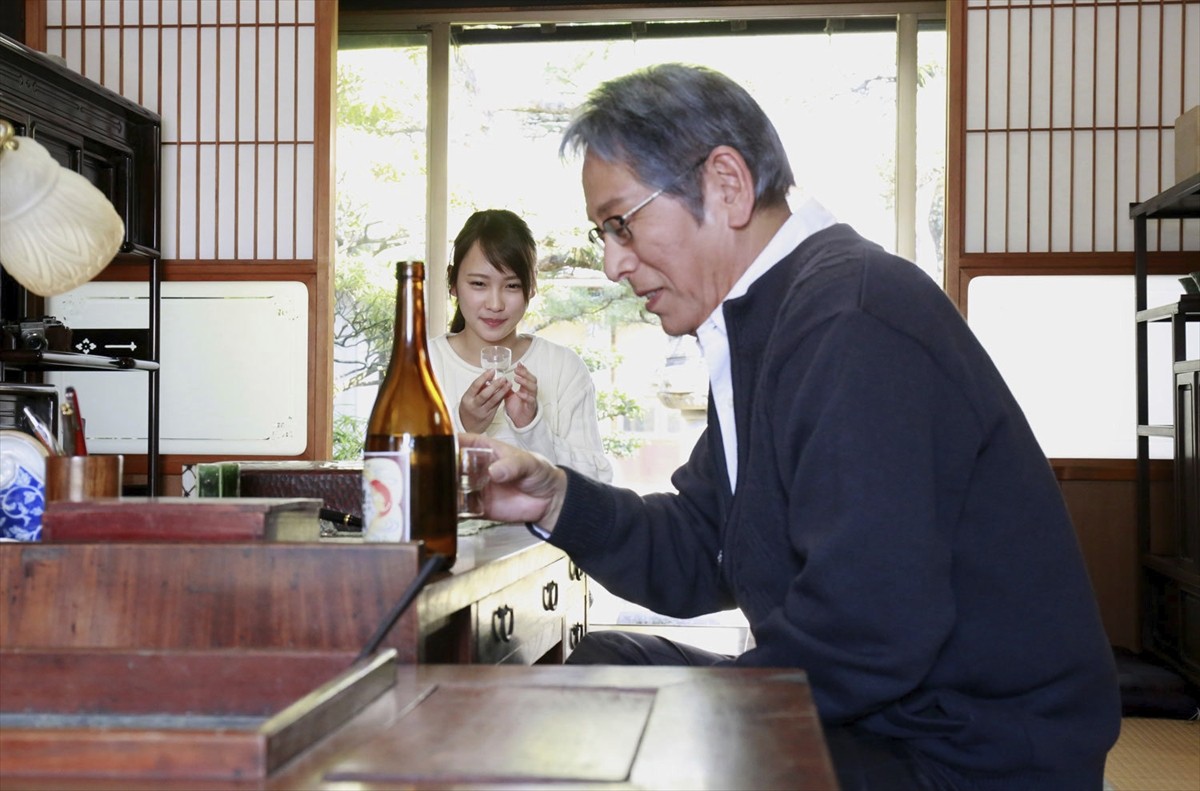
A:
x: 183, y: 519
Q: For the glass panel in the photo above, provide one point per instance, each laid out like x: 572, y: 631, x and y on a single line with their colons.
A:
x: 382, y: 100
x: 1067, y: 353
x: 509, y: 104
x: 931, y: 153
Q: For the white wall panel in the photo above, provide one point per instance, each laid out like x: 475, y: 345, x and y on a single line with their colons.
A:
x: 239, y: 382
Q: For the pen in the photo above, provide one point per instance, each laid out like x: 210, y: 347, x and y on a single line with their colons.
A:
x: 76, y: 419
x: 43, y: 432
x: 347, y: 521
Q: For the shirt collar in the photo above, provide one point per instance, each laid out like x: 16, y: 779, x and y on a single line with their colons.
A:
x: 806, y: 220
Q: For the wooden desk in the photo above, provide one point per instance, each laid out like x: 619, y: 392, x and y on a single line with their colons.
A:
x: 509, y: 598
x: 496, y: 727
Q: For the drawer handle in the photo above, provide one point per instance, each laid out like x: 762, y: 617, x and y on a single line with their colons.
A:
x: 575, y: 636
x: 503, y: 623
x: 573, y: 571
x: 550, y: 595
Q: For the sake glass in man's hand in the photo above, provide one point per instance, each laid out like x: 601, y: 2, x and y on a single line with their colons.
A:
x: 473, y: 466
x: 495, y: 357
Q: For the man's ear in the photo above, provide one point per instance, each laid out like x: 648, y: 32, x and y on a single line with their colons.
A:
x: 728, y: 175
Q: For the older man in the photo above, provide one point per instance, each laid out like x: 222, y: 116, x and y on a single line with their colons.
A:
x: 867, y: 490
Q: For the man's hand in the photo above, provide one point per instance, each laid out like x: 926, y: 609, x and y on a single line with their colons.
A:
x: 523, y: 486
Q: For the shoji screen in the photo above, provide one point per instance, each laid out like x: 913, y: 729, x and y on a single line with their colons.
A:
x: 1065, y: 116
x: 237, y: 84
x: 1069, y: 118
x: 233, y: 82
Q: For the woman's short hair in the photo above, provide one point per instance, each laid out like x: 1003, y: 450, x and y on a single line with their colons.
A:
x: 662, y: 121
x: 507, y: 244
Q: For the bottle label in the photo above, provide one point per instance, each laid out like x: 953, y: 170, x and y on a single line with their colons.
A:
x: 386, y: 496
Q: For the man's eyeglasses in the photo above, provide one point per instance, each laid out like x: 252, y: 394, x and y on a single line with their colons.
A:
x: 618, y: 226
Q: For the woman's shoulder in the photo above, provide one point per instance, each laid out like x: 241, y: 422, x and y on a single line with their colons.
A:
x: 541, y: 347
x: 442, y: 351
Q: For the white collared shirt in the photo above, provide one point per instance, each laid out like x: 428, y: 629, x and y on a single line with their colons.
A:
x: 809, y: 218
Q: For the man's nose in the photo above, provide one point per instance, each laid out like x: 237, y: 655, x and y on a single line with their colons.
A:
x: 619, y: 261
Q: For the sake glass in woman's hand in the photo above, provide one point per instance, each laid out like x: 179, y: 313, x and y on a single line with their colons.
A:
x: 495, y: 357
x: 473, y: 466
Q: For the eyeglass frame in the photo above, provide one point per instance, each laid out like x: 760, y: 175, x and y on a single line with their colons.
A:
x: 621, y: 231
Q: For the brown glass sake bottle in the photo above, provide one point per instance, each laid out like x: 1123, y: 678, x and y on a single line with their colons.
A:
x: 410, y: 461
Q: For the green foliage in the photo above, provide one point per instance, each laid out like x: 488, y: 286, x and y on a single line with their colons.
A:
x: 620, y: 444
x: 366, y: 316
x: 617, y: 403
x: 349, y: 435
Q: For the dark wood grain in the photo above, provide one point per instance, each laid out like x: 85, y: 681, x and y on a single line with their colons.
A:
x: 499, y: 727
x: 204, y: 596
x: 127, y: 714
x: 183, y: 518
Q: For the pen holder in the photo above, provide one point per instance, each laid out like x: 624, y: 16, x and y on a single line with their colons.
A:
x: 78, y: 478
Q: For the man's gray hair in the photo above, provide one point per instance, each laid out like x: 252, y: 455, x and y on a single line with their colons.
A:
x: 662, y: 121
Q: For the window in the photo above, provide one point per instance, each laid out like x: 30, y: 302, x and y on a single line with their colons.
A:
x: 509, y: 90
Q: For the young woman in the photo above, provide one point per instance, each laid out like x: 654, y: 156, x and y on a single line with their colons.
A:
x: 546, y: 402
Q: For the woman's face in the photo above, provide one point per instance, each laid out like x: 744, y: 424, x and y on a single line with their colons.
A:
x: 491, y: 300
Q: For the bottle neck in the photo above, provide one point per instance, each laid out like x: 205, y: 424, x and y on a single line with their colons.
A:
x: 409, y: 339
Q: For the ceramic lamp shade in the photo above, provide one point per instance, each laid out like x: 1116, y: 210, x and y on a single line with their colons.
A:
x: 57, y: 231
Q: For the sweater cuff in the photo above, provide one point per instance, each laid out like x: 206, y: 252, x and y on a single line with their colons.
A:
x: 586, y: 517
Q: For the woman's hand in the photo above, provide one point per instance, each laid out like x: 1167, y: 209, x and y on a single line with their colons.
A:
x: 521, y: 401
x: 483, y: 397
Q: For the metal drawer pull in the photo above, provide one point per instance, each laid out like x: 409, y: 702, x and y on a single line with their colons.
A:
x: 550, y: 595
x: 575, y: 636
x: 503, y: 623
x: 573, y: 571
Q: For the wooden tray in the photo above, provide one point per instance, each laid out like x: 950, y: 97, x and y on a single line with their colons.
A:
x: 196, y: 714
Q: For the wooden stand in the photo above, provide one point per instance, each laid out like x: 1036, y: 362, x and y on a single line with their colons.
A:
x: 176, y: 597
x: 176, y: 715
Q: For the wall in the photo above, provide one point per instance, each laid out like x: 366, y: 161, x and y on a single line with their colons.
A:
x: 244, y: 89
x: 1062, y: 115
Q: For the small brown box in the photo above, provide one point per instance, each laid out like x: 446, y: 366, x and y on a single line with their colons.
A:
x: 1187, y: 145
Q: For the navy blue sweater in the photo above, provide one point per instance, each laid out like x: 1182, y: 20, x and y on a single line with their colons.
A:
x: 896, y: 532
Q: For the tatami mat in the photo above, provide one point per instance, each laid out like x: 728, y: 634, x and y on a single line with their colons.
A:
x: 1155, y: 755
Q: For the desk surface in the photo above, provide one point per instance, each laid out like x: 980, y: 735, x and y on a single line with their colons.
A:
x: 518, y: 727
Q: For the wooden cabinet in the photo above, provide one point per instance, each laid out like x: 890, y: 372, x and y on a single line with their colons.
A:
x: 511, y: 598
x: 1170, y: 554
x: 538, y: 618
